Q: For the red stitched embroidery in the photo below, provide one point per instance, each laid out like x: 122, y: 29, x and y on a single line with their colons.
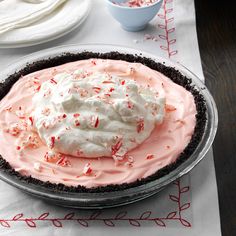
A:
x: 167, y: 29
x: 121, y: 216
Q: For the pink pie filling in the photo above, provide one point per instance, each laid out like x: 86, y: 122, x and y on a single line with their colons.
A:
x: 162, y: 147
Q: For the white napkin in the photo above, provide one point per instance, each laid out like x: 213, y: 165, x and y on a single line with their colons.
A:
x: 18, y: 13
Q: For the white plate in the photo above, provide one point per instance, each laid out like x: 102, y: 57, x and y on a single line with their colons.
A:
x: 66, y: 18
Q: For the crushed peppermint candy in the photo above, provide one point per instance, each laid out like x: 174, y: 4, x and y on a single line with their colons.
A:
x: 130, y: 105
x: 128, y: 164
x: 130, y: 159
x: 77, y: 123
x: 182, y: 122
x: 93, y: 62
x: 38, y: 88
x: 52, y: 142
x: 79, y: 152
x: 31, y: 120
x: 107, y: 82
x: 96, y: 122
x: 45, y: 111
x: 31, y: 141
x: 47, y: 93
x: 96, y: 89
x: 111, y: 89
x: 136, y: 3
x: 20, y: 113
x: 122, y: 82
x: 64, y: 116
x: 63, y: 161
x: 14, y: 129
x: 53, y: 81
x: 170, y: 108
x: 150, y: 37
x: 116, y: 147
x: 49, y: 156
x: 8, y: 109
x: 87, y: 170
x: 149, y: 156
x: 37, y: 166
x: 140, y: 125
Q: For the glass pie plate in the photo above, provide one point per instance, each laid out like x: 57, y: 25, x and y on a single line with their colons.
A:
x: 121, y: 197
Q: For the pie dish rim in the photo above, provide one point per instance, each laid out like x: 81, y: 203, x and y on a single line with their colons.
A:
x: 141, y: 188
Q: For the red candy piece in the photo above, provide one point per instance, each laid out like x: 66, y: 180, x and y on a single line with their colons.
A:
x: 87, y: 169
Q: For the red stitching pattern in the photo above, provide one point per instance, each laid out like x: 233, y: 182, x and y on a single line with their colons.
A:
x: 97, y: 216
x: 167, y: 29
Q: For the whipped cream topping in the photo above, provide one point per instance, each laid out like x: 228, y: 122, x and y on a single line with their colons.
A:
x: 95, y: 114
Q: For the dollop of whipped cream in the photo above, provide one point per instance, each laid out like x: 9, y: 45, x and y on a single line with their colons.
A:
x: 91, y: 115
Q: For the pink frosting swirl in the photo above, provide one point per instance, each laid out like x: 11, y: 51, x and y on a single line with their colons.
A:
x: 21, y: 146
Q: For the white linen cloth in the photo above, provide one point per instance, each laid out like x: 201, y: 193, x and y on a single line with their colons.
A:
x: 18, y: 13
x: 187, y: 207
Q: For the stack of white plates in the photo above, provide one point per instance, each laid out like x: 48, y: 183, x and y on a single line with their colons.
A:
x: 64, y: 19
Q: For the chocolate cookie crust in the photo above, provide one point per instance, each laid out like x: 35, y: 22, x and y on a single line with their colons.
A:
x: 170, y: 72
